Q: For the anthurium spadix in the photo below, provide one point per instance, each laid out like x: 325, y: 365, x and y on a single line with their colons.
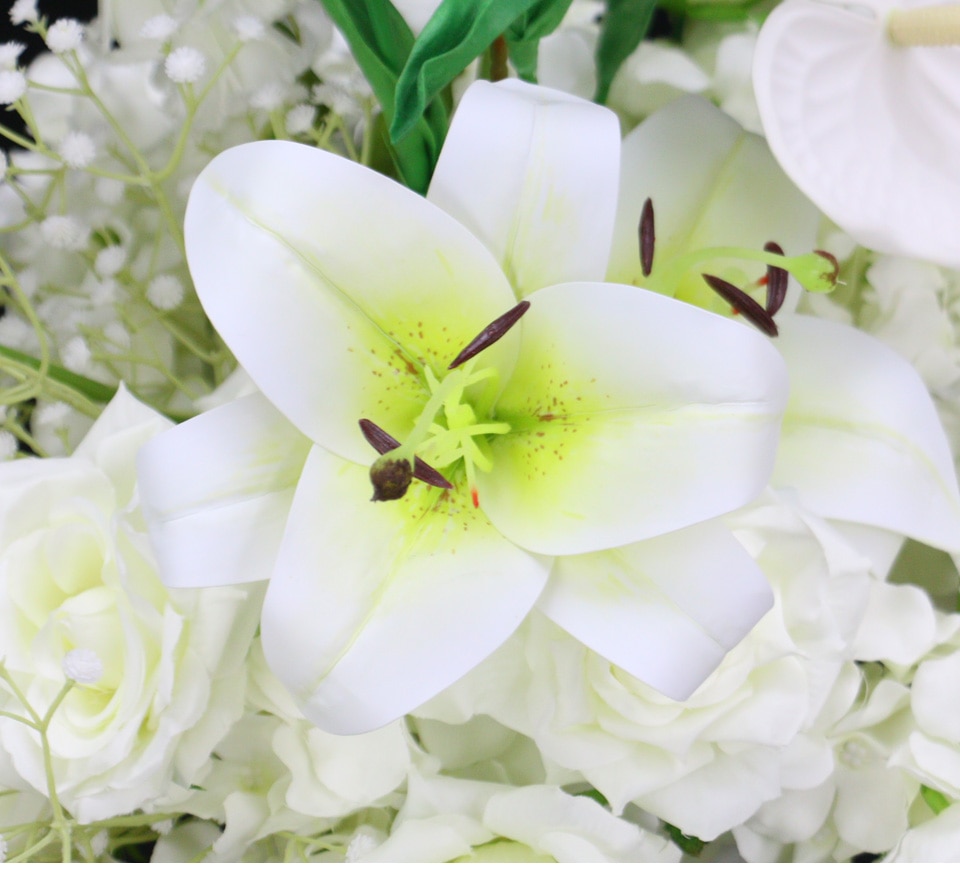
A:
x: 860, y: 102
x: 602, y: 418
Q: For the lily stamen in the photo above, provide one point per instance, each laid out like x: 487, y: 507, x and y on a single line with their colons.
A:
x: 490, y: 334
x: 648, y: 237
x: 743, y: 303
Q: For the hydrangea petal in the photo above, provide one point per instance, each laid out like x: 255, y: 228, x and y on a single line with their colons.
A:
x: 375, y: 607
x: 633, y: 415
x: 533, y: 173
x: 332, y: 284
x: 666, y: 609
x: 216, y: 490
x: 867, y: 129
x: 861, y: 438
x: 702, y: 171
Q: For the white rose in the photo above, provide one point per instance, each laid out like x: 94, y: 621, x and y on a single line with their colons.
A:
x: 76, y: 572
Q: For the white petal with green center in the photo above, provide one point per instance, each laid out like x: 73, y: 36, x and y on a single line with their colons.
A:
x: 867, y: 129
x: 334, y: 285
x: 632, y: 415
x: 704, y: 174
x: 667, y: 609
x: 861, y: 438
x: 216, y: 490
x: 375, y: 607
x: 533, y: 173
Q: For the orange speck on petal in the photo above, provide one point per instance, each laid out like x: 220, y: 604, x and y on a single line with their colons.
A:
x: 476, y: 498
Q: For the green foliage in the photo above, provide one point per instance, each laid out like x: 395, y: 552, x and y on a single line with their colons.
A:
x: 458, y: 32
x: 381, y: 42
x: 625, y: 24
x: 934, y: 799
x: 691, y: 845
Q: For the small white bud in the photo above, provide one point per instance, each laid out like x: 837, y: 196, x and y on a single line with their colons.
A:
x: 159, y: 27
x: 109, y: 261
x: 99, y: 843
x: 185, y: 64
x: 300, y: 118
x: 248, y: 28
x: 63, y: 232
x: 76, y: 354
x: 64, y: 35
x: 9, y: 53
x: 77, y: 149
x: 23, y: 11
x: 268, y: 97
x: 51, y: 414
x: 362, y: 844
x: 8, y: 445
x: 13, y: 85
x: 165, y: 292
x: 82, y: 666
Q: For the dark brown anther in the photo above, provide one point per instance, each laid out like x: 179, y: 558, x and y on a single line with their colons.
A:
x: 648, y: 237
x: 831, y: 275
x: 383, y: 443
x: 776, y: 282
x: 490, y: 334
x: 391, y: 478
x: 743, y: 303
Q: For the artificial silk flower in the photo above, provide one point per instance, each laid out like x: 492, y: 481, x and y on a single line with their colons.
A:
x: 860, y: 102
x: 594, y: 425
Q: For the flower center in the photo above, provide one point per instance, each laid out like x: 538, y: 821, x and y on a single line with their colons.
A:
x: 447, y: 429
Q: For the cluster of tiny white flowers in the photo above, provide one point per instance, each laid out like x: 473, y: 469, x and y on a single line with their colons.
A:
x: 300, y: 118
x: 184, y: 65
x: 165, y: 292
x: 267, y: 97
x: 64, y: 232
x: 13, y: 85
x: 64, y: 35
x: 9, y: 54
x: 77, y: 149
x: 23, y: 11
x: 76, y: 354
x: 159, y: 27
x: 248, y: 28
x: 109, y: 261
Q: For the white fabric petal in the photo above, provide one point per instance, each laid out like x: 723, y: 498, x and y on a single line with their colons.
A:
x: 867, y: 129
x: 861, y: 438
x: 703, y: 171
x: 216, y: 491
x: 633, y: 415
x: 533, y: 173
x: 334, y: 285
x: 375, y: 607
x: 667, y: 609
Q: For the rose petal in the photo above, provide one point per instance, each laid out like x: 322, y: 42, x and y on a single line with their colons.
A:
x: 867, y: 129
x: 861, y: 438
x: 333, y: 285
x: 216, y: 490
x: 375, y: 607
x: 632, y: 415
x: 667, y: 609
x: 533, y: 173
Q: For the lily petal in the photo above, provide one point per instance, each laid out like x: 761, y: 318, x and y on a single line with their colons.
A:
x: 216, y: 491
x: 533, y: 173
x: 867, y: 129
x: 375, y: 607
x: 702, y: 171
x: 333, y: 284
x: 861, y: 438
x: 667, y: 609
x: 632, y: 415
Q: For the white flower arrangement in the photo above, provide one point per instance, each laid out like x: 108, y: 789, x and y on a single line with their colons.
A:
x: 652, y: 369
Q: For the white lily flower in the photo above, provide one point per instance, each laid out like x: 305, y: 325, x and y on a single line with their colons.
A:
x: 861, y: 438
x: 865, y: 117
x: 609, y: 416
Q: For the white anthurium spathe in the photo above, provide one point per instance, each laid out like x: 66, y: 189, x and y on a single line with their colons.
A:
x: 860, y: 102
x: 607, y: 416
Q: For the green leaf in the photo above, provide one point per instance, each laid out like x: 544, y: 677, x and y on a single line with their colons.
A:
x: 624, y: 25
x: 934, y: 799
x: 381, y: 43
x: 458, y: 32
x: 691, y: 845
x: 524, y: 34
